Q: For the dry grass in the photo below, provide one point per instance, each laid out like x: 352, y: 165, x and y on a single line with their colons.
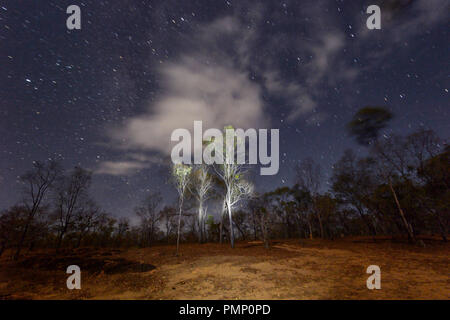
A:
x: 310, y: 269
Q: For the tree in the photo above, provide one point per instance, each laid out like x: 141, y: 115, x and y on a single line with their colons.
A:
x: 232, y: 174
x: 149, y: 216
x: 168, y: 216
x: 280, y: 202
x: 436, y: 173
x: 87, y: 217
x: 304, y: 202
x: 393, y: 165
x: 308, y: 178
x: 123, y: 229
x: 70, y: 192
x: 11, y: 222
x: 367, y: 123
x: 37, y: 183
x: 352, y: 184
x: 366, y: 126
x: 258, y: 205
x: 326, y: 207
x: 202, y: 183
x: 182, y: 175
x: 240, y: 221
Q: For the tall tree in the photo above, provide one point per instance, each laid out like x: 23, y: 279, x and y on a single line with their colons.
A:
x: 168, y: 216
x: 181, y: 176
x: 36, y: 186
x: 150, y: 216
x: 436, y: 172
x: 308, y: 176
x: 201, y: 186
x: 232, y: 173
x: 70, y: 191
x: 394, y: 167
x: 87, y: 218
x: 366, y: 126
x: 352, y: 183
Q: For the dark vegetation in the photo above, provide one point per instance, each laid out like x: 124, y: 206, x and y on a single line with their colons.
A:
x: 401, y: 188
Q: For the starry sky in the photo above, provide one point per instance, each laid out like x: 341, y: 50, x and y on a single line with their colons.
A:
x: 108, y: 96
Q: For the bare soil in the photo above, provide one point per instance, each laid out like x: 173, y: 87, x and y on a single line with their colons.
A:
x: 292, y: 269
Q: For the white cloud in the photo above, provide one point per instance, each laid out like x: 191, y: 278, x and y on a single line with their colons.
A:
x: 194, y: 90
x: 120, y: 167
x: 212, y: 80
x: 131, y: 165
x: 202, y: 84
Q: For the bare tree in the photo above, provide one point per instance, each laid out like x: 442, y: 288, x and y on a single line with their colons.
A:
x: 393, y: 162
x: 258, y: 205
x: 201, y: 185
x: 181, y: 175
x: 37, y: 183
x: 87, y: 217
x: 424, y: 148
x: 223, y: 214
x: 69, y: 194
x: 308, y: 178
x: 365, y: 127
x: 232, y: 173
x: 150, y: 216
x: 240, y: 190
x: 11, y: 221
x: 168, y: 216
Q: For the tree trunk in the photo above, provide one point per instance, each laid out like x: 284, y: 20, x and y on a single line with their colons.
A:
x: 22, y: 238
x: 222, y: 215
x: 320, y: 225
x: 310, y: 230
x: 364, y: 218
x: 255, y: 236
x: 200, y: 222
x: 441, y: 225
x: 59, y: 240
x: 407, y: 225
x: 231, y: 227
x: 2, y: 247
x: 31, y: 247
x: 240, y: 231
x: 221, y: 229
x: 179, y: 225
x: 79, y: 241
x: 264, y: 232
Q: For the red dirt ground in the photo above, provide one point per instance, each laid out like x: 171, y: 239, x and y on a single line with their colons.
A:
x: 292, y: 269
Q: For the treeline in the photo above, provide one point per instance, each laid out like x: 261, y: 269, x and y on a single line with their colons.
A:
x: 400, y: 188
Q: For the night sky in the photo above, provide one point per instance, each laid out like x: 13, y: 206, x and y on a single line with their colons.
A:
x: 108, y: 96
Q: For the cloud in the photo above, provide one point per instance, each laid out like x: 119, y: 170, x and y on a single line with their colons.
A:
x: 120, y: 167
x: 324, y: 52
x: 407, y: 19
x: 211, y: 80
x: 194, y: 90
x: 204, y: 83
x: 321, y: 68
x: 299, y: 96
x: 316, y: 119
x: 226, y: 69
x: 402, y: 21
x: 133, y: 163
